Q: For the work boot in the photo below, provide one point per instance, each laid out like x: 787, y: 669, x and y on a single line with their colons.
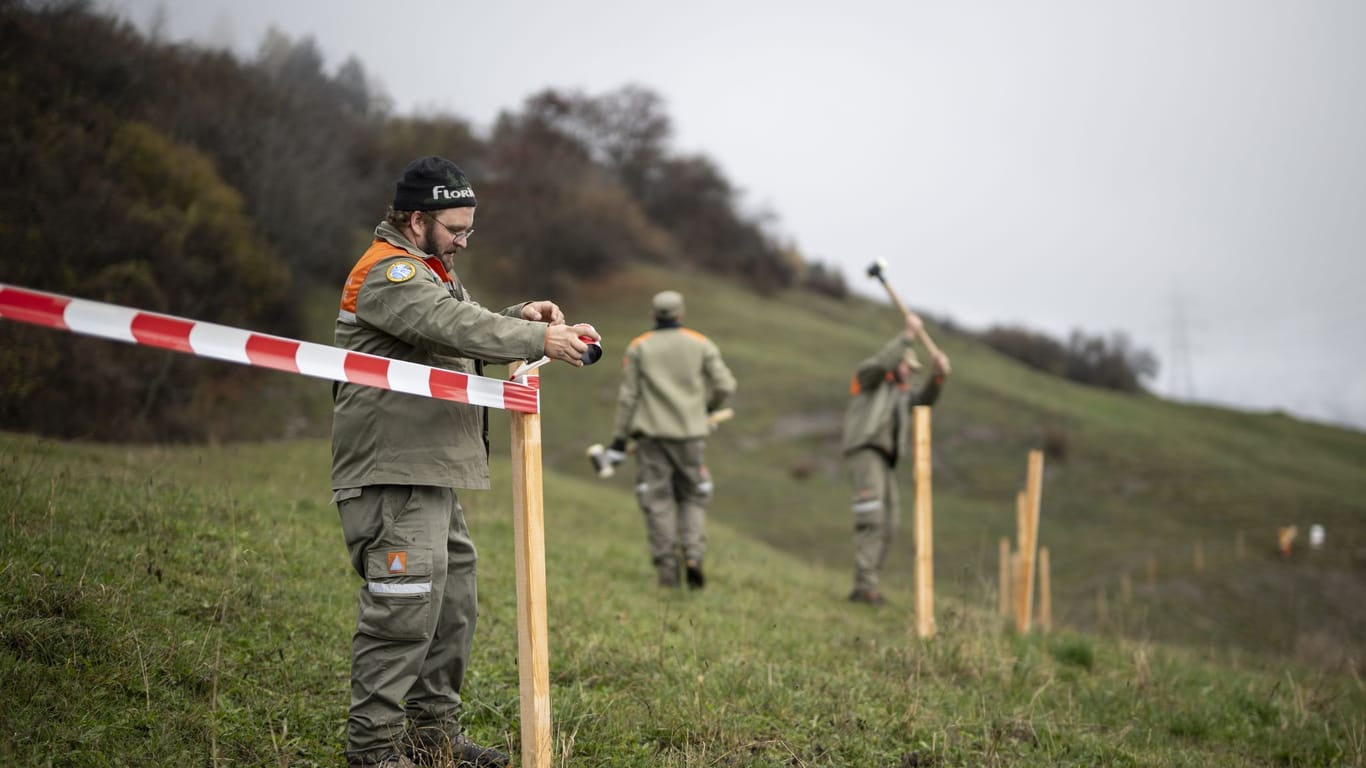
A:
x: 470, y: 755
x: 393, y: 760
x: 668, y: 573
x: 696, y: 579
x: 869, y: 596
x: 434, y: 747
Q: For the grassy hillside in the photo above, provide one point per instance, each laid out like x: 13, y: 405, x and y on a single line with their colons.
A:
x: 1140, y: 483
x: 176, y: 606
x: 193, y: 607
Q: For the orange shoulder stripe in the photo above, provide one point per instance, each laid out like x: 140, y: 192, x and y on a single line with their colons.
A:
x: 855, y: 388
x: 379, y: 250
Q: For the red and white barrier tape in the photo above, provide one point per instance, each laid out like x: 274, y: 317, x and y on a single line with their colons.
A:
x: 221, y: 342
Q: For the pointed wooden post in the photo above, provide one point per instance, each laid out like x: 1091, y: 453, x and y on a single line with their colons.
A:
x: 528, y: 525
x: 1045, y: 592
x: 1021, y: 520
x: 1017, y: 584
x: 924, y: 527
x: 1033, y: 499
x: 1003, y: 554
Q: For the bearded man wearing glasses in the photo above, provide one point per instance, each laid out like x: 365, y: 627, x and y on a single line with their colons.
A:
x: 398, y: 459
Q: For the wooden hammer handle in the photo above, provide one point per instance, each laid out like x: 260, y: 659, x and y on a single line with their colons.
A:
x: 924, y: 334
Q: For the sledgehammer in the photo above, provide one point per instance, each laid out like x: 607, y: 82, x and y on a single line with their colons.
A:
x: 875, y: 270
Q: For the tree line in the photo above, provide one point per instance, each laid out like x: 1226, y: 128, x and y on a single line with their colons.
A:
x: 184, y: 180
x: 1111, y: 363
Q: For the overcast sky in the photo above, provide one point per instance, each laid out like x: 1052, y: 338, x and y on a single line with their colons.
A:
x: 1190, y: 172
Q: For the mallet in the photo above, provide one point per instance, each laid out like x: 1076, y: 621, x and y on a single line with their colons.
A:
x: 875, y: 270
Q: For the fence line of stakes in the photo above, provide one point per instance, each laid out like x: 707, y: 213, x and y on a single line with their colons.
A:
x: 1017, y: 569
x: 520, y: 397
x: 1016, y: 566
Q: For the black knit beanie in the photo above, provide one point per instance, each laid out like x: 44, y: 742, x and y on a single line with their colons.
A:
x: 432, y: 184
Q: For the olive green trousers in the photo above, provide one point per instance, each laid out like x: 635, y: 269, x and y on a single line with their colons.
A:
x: 673, y: 488
x: 418, y: 607
x: 877, y: 514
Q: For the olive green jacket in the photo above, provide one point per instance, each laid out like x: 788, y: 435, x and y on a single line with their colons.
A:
x: 878, y: 415
x: 672, y: 377
x: 396, y: 305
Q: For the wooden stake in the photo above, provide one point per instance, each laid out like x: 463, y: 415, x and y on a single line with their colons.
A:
x: 528, y: 525
x: 1199, y: 556
x: 924, y: 526
x: 1017, y: 586
x: 1045, y: 592
x: 1033, y: 498
x: 1021, y: 519
x: 1017, y: 583
x: 1003, y: 554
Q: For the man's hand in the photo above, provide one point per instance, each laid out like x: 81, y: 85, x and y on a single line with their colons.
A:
x: 543, y: 311
x: 562, y: 342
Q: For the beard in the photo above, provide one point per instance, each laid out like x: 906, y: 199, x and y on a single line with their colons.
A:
x: 429, y: 240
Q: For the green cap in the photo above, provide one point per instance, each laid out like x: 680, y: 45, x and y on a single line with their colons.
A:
x: 668, y: 305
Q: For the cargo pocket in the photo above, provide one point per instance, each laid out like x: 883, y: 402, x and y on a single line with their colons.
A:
x: 704, y: 483
x: 397, y: 601
x: 866, y: 512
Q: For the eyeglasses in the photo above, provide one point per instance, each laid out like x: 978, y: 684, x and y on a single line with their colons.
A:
x: 458, y: 234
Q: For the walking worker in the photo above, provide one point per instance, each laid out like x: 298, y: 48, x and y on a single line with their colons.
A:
x: 672, y: 378
x: 397, y: 460
x: 877, y: 425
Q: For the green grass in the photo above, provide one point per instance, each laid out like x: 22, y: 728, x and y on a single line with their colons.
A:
x: 194, y: 607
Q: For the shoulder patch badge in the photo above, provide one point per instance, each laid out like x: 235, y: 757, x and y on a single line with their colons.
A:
x: 400, y: 271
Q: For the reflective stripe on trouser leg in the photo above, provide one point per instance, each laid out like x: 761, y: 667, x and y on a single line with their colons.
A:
x: 876, y: 511
x: 397, y: 537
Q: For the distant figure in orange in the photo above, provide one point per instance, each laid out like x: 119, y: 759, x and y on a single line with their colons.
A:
x: 1285, y: 537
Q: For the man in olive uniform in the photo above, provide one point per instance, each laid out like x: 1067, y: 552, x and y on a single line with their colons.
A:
x: 673, y: 377
x: 877, y: 424
x: 397, y: 460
